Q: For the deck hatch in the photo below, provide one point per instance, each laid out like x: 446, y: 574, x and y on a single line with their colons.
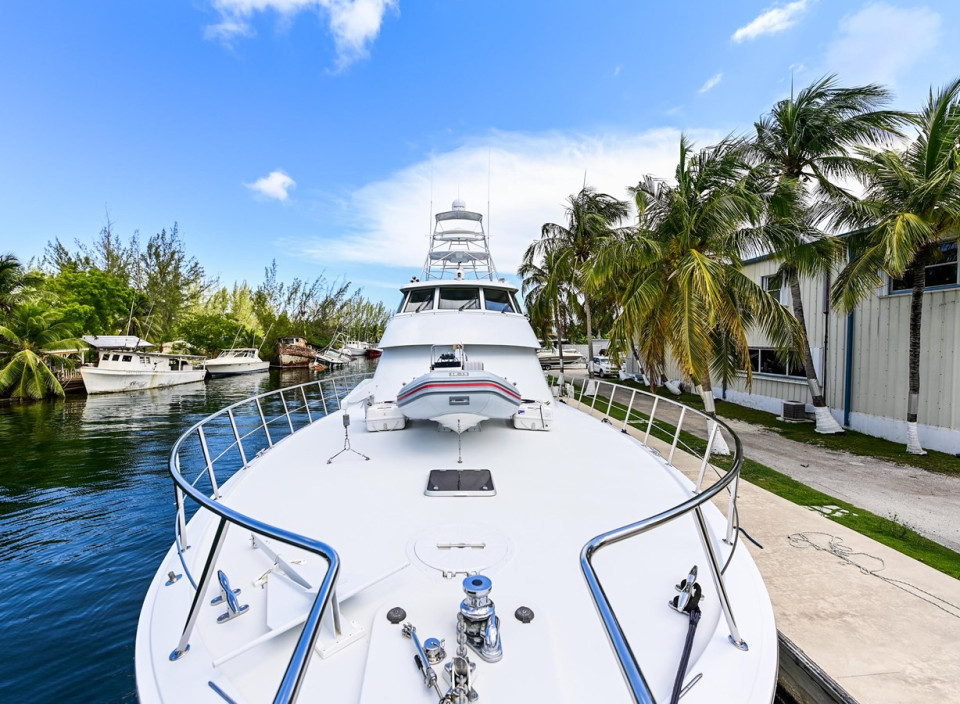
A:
x: 460, y: 482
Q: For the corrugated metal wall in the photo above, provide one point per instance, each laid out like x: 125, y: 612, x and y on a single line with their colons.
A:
x: 880, y: 352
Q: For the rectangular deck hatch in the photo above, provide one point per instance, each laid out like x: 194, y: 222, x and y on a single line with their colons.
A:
x: 460, y: 482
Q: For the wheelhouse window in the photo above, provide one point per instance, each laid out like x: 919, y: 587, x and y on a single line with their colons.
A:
x: 418, y: 300
x: 764, y: 360
x: 459, y: 298
x: 127, y: 358
x: 498, y: 300
x: 941, y: 273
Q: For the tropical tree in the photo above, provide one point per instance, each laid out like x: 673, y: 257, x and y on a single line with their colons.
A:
x: 682, y: 289
x: 29, y: 330
x: 173, y: 281
x: 551, y: 299
x: 808, y: 143
x: 16, y: 282
x: 591, y: 218
x: 907, y: 219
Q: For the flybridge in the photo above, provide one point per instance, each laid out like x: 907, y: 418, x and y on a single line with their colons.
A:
x: 459, y: 246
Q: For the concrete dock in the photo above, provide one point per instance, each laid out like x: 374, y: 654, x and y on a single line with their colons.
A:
x: 882, y: 625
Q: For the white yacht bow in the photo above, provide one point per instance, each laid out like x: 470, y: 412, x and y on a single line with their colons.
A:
x: 341, y: 553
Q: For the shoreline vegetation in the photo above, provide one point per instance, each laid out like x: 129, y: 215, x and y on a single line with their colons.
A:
x: 160, y: 293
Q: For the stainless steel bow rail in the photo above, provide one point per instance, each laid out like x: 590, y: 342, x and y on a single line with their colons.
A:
x: 301, y: 406
x: 645, y: 413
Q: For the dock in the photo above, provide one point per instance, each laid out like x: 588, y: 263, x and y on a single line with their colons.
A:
x: 881, y: 625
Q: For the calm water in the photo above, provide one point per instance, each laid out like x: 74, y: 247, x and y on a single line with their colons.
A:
x: 86, y: 511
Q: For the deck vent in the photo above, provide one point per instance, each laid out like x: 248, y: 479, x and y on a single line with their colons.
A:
x: 794, y: 410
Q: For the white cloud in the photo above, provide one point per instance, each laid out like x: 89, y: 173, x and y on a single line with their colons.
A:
x: 530, y: 177
x: 771, y: 21
x: 711, y: 82
x: 880, y: 42
x: 353, y: 23
x: 616, y: 71
x: 275, y: 185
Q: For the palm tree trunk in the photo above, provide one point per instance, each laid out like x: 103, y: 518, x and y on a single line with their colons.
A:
x: 826, y: 423
x: 586, y: 310
x: 705, y: 389
x: 560, y: 379
x: 913, y: 396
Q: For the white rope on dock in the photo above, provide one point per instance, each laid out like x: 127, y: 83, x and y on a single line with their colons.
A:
x: 836, y: 547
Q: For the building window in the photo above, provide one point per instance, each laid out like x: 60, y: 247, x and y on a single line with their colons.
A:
x: 764, y: 360
x: 773, y: 285
x: 942, y: 273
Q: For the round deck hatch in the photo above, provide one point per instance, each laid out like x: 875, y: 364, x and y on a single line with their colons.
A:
x: 459, y: 549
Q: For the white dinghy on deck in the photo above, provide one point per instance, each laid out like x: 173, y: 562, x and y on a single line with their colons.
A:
x: 543, y: 568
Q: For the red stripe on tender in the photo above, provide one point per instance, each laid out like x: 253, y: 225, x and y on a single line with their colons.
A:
x: 458, y: 384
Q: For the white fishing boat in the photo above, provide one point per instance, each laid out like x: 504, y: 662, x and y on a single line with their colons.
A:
x: 124, y: 363
x: 340, y: 552
x: 237, y: 360
x: 355, y: 348
x: 551, y: 356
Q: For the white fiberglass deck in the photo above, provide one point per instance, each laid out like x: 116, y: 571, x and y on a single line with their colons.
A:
x: 394, y: 543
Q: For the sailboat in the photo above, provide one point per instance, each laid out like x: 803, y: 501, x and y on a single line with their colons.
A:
x: 344, y: 546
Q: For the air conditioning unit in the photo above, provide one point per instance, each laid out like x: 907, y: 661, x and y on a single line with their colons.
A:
x: 794, y: 410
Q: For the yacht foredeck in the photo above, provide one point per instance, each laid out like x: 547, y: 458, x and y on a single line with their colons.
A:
x: 401, y: 548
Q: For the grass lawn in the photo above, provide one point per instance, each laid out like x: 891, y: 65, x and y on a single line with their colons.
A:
x: 884, y: 530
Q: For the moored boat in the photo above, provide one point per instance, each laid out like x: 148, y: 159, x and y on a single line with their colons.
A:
x: 295, y: 352
x: 238, y: 360
x: 551, y: 563
x: 124, y: 363
x: 551, y: 356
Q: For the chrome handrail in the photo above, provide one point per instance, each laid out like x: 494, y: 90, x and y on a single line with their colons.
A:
x: 296, y: 669
x: 637, y: 683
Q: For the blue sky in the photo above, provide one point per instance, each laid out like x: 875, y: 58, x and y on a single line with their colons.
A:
x: 310, y: 131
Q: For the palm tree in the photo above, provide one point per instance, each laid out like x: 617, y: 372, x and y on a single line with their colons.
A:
x: 910, y: 210
x: 591, y: 218
x: 807, y: 142
x: 15, y: 282
x: 551, y: 299
x: 32, y: 327
x: 682, y: 288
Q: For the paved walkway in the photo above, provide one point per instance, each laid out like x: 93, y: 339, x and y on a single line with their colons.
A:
x: 927, y: 502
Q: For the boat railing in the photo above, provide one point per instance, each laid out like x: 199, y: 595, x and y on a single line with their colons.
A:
x: 637, y: 410
x: 269, y: 417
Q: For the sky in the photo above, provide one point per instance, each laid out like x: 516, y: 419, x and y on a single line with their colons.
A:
x: 323, y: 133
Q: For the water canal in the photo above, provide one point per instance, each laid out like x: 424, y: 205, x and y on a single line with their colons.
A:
x: 85, y: 518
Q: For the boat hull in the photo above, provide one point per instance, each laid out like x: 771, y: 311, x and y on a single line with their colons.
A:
x: 374, y: 352
x: 109, y: 381
x: 464, y: 398
x: 234, y: 367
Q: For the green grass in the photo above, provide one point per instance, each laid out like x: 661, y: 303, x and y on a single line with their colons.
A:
x: 850, y: 441
x: 887, y: 531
